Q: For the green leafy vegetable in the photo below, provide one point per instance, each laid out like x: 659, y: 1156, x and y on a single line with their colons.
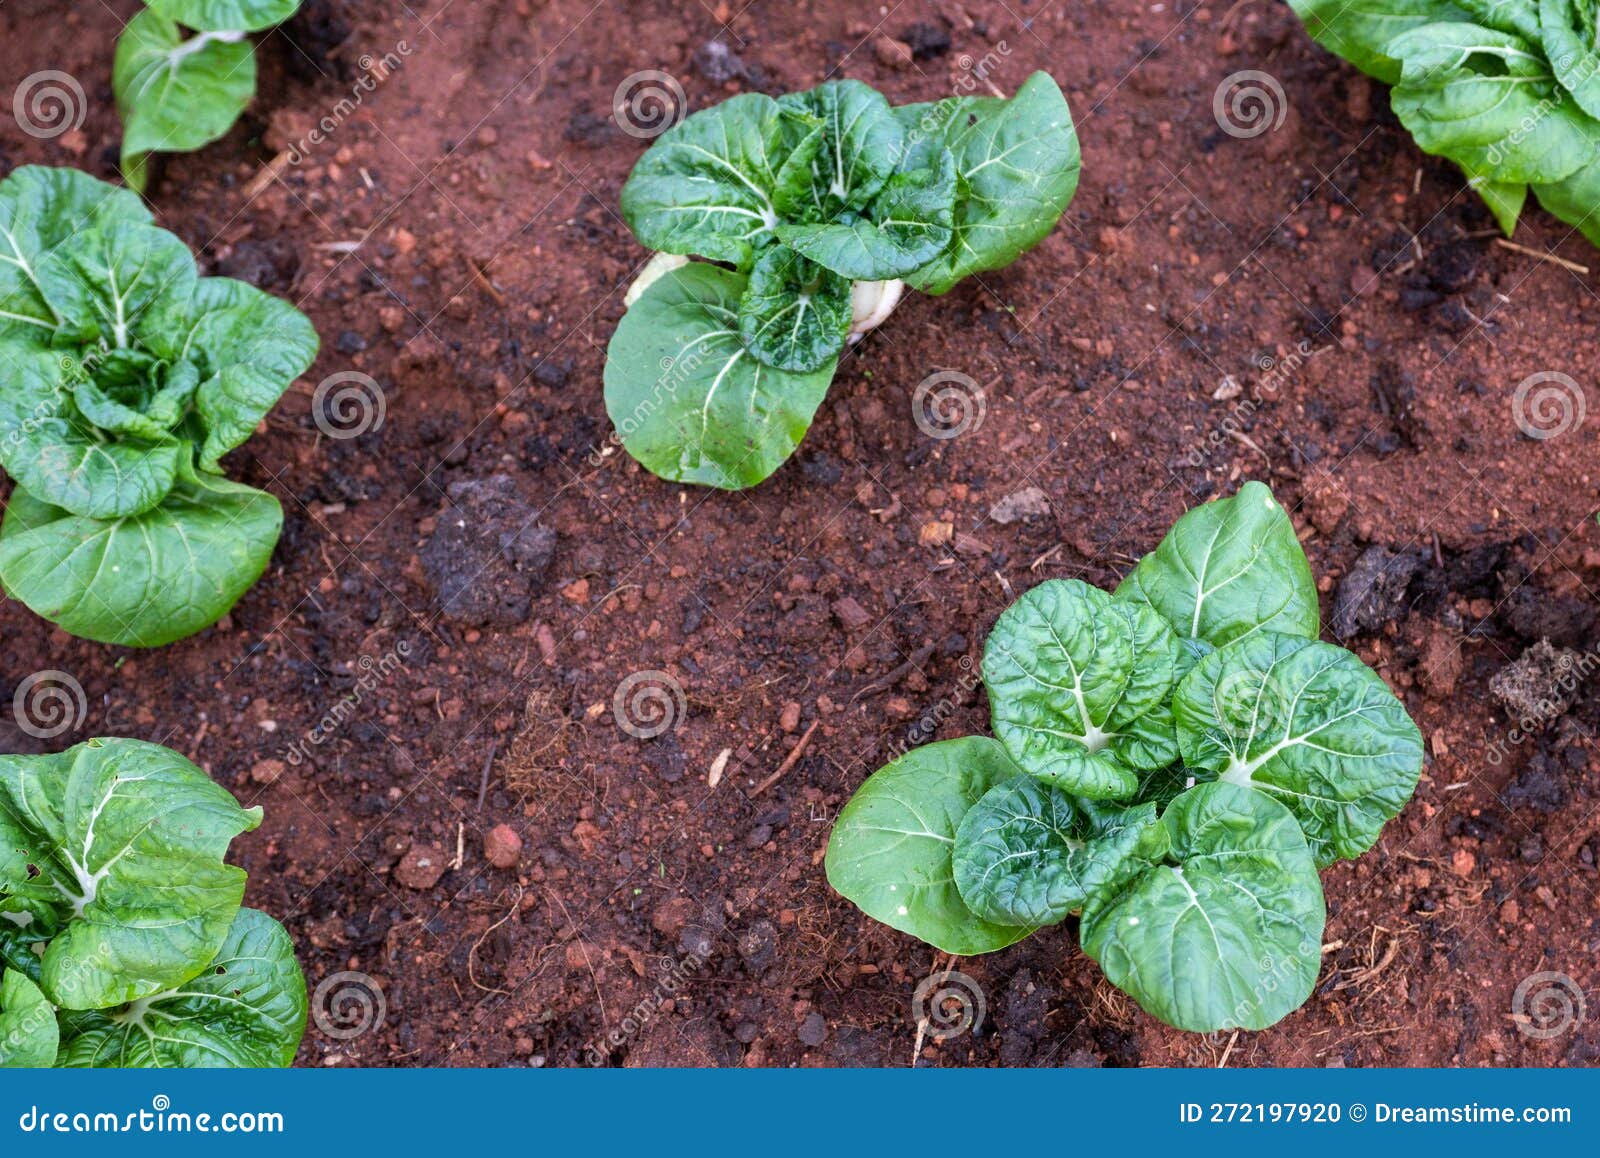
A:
x: 1225, y: 930
x: 809, y: 198
x: 128, y: 377
x: 1310, y: 725
x: 1507, y: 89
x: 29, y: 1036
x: 175, y: 93
x: 121, y: 915
x: 891, y: 848
x: 1176, y: 762
x: 1227, y: 569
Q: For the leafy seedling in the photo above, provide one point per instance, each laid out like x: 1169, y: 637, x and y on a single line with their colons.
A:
x: 124, y: 379
x: 121, y: 930
x: 818, y: 209
x: 177, y: 92
x: 1174, y: 763
x: 1507, y: 89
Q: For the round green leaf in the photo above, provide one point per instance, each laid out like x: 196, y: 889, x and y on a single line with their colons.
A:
x: 1068, y: 672
x: 245, y: 1010
x: 175, y: 94
x: 1029, y: 854
x: 862, y: 143
x: 143, y: 580
x: 226, y: 15
x: 690, y: 402
x: 1358, y: 30
x: 28, y: 1034
x: 1566, y: 29
x: 890, y: 851
x: 1228, y: 569
x: 794, y: 314
x: 1308, y: 724
x: 1227, y: 932
x: 129, y: 838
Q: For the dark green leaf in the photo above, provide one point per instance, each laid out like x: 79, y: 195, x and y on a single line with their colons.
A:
x: 1566, y: 28
x: 1028, y: 853
x: 794, y: 314
x: 143, y: 580
x: 861, y: 145
x: 1228, y: 569
x: 226, y: 15
x: 711, y: 185
x: 1309, y: 724
x: 689, y: 400
x: 1017, y: 165
x: 1228, y: 932
x: 890, y: 851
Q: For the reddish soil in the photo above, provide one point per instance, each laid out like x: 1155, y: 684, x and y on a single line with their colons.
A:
x: 457, y: 239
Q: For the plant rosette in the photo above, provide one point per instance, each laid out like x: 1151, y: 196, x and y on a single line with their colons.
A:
x: 177, y: 93
x: 122, y: 938
x: 1507, y: 89
x: 124, y: 379
x: 1173, y: 763
x: 809, y: 216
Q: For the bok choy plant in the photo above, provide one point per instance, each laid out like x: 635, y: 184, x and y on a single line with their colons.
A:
x: 1173, y: 763
x: 123, y: 943
x: 810, y: 214
x: 176, y: 92
x: 124, y: 379
x: 1507, y: 89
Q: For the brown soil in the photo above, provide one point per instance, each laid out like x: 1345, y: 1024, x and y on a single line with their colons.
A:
x: 457, y: 238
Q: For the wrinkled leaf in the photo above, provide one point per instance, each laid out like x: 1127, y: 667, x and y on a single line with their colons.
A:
x: 690, y: 401
x: 711, y: 185
x: 861, y: 145
x: 1017, y: 165
x: 175, y: 94
x: 245, y: 1009
x: 794, y: 314
x: 1517, y: 17
x: 1148, y: 743
x: 105, y: 282
x: 891, y: 848
x: 1067, y: 671
x: 1566, y: 29
x: 143, y: 580
x: 49, y: 449
x: 906, y: 227
x: 28, y: 1034
x: 1228, y: 569
x: 225, y: 15
x: 1308, y: 724
x: 40, y: 208
x: 1228, y: 932
x: 1028, y: 853
x: 143, y: 412
x: 118, y: 844
x: 1358, y: 30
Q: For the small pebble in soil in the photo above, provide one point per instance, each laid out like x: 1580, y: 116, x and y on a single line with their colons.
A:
x: 502, y: 847
x: 813, y: 1030
x: 421, y: 867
